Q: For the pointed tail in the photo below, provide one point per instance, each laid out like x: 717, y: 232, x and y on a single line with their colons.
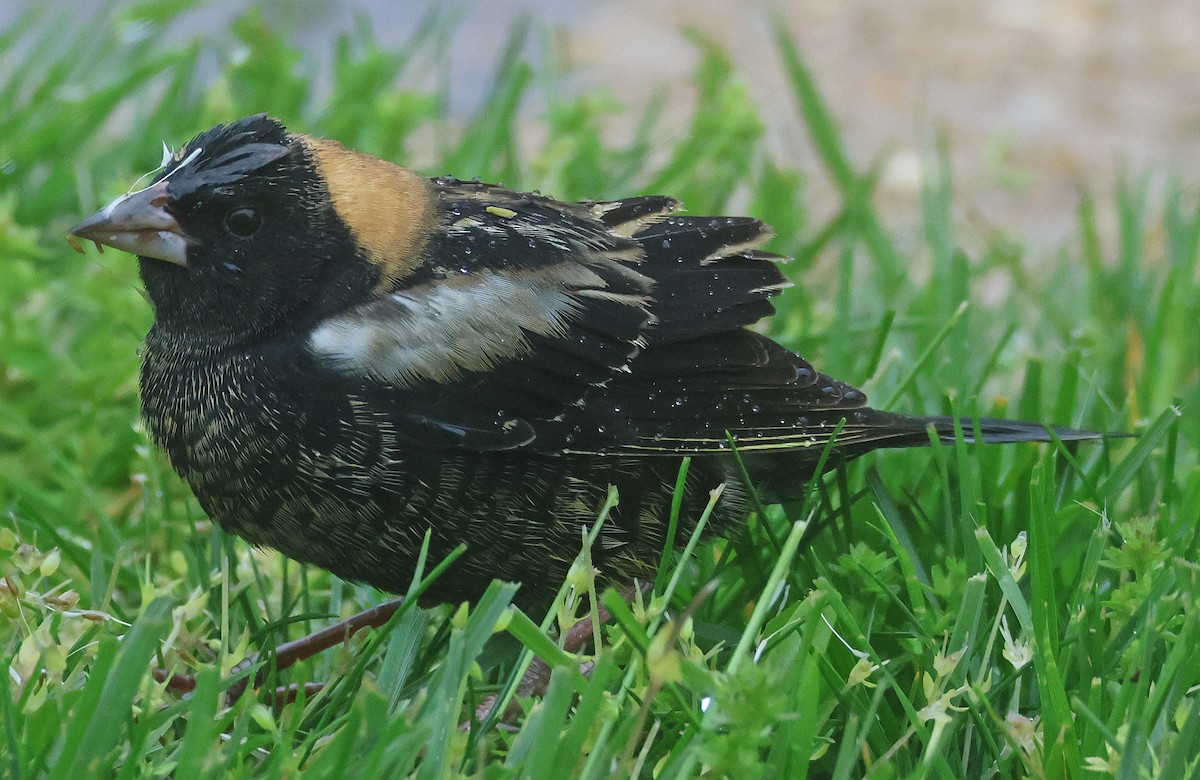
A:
x: 997, y: 431
x: 783, y: 475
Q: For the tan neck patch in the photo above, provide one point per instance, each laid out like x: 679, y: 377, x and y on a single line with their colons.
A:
x: 389, y: 209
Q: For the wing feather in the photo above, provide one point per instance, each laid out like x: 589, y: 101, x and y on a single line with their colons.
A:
x: 602, y: 327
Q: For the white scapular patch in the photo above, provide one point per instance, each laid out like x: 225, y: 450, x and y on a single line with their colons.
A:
x: 441, y: 330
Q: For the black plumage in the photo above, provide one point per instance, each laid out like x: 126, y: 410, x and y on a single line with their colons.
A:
x: 346, y: 355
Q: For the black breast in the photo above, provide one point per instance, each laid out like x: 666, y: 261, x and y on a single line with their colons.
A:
x: 288, y: 458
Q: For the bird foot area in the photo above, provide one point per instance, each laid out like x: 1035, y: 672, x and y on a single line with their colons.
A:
x: 536, y: 679
x: 533, y: 683
x: 286, y: 655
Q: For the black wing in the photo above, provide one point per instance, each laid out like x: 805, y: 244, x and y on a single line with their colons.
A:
x: 589, y: 327
x: 520, y: 306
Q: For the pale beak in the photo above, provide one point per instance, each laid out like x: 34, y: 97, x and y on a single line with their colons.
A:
x: 138, y: 223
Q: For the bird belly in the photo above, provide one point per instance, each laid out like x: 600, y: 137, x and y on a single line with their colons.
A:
x: 325, y: 482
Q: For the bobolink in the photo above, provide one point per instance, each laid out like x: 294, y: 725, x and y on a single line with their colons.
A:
x: 346, y: 354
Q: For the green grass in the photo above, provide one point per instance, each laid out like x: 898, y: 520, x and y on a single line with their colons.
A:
x: 963, y: 611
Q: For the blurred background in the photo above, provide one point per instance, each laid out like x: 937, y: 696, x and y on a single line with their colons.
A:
x: 1035, y: 99
x: 993, y: 210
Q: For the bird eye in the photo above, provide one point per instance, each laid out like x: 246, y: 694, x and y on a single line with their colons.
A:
x: 243, y: 222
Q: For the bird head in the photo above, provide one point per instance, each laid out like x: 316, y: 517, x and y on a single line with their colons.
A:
x: 249, y: 228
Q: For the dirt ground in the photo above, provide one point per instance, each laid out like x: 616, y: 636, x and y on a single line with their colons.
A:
x: 1037, y: 99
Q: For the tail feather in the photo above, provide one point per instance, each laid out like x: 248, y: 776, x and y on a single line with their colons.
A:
x: 997, y: 431
x: 784, y: 475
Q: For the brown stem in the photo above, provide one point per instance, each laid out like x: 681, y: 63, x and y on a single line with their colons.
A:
x: 286, y: 655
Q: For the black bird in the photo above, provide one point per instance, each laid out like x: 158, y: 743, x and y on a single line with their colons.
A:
x: 346, y: 355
